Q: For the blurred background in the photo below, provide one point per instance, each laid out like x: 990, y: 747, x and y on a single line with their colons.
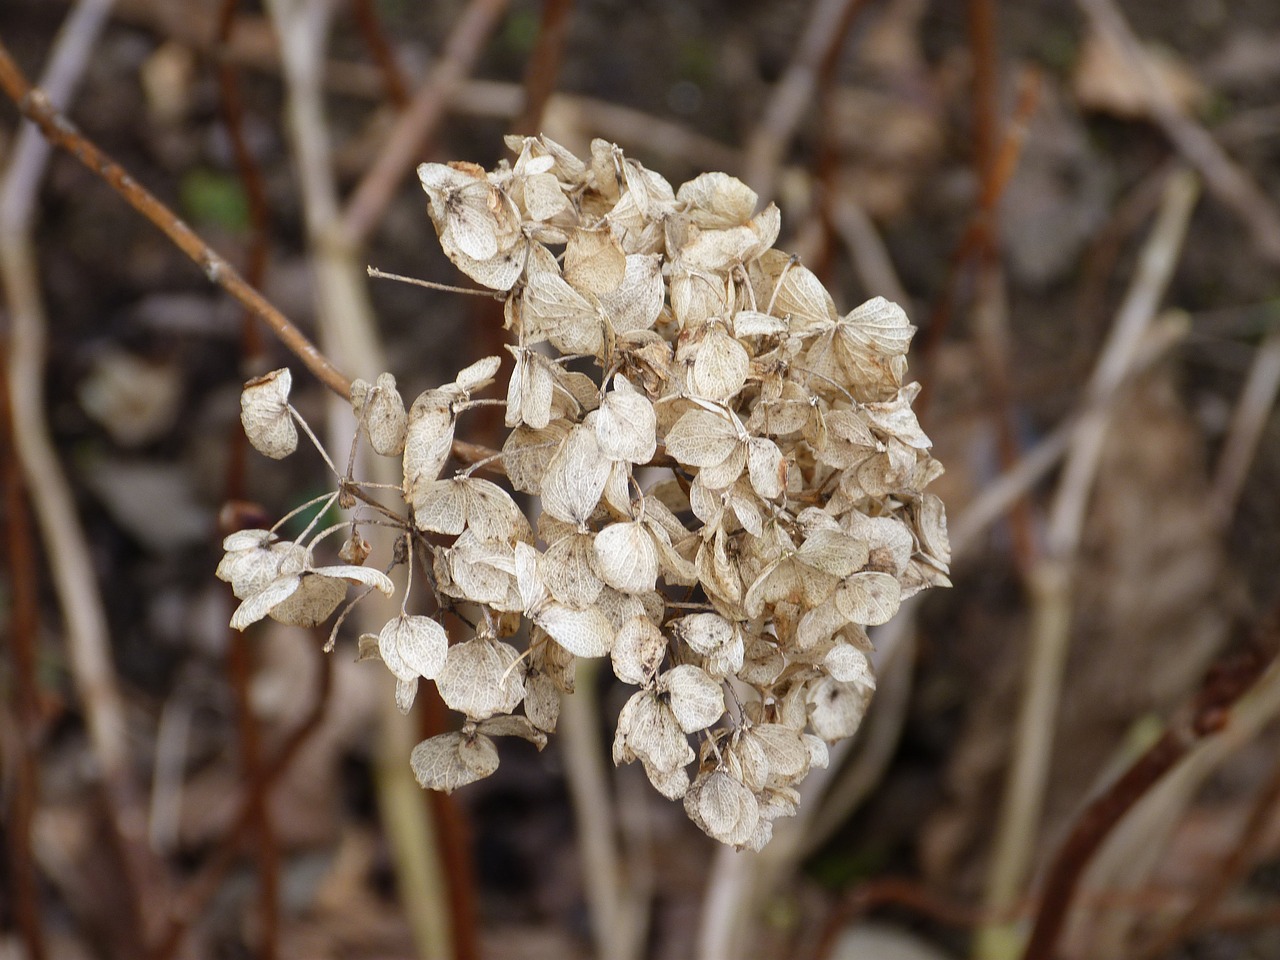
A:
x: 1076, y: 203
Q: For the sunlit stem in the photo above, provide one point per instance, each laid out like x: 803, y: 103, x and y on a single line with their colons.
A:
x: 408, y: 583
x: 777, y: 287
x: 331, y: 498
x: 314, y: 441
x: 430, y: 285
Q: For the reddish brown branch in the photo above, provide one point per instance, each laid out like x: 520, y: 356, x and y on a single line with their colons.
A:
x: 543, y: 69
x: 239, y: 659
x: 394, y: 86
x: 1209, y: 713
x: 453, y: 828
x: 24, y: 625
x: 195, y: 898
x: 62, y: 133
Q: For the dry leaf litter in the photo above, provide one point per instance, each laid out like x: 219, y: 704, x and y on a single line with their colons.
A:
x: 730, y: 476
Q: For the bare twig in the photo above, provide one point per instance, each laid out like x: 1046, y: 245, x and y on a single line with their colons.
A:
x: 870, y: 257
x: 1000, y: 494
x: 71, y: 565
x: 239, y: 662
x: 1249, y: 420
x: 543, y: 69
x: 824, y: 35
x: 455, y: 841
x: 419, y: 120
x: 35, y: 105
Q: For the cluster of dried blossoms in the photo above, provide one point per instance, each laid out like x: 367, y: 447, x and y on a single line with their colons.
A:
x: 730, y: 475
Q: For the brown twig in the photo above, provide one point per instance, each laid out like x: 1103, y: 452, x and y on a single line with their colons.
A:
x: 190, y: 906
x: 1208, y: 713
x: 36, y: 107
x: 394, y: 86
x: 87, y: 639
x: 239, y: 658
x: 419, y: 120
x: 543, y: 69
x: 455, y: 842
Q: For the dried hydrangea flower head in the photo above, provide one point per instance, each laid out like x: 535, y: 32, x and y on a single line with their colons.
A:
x: 730, y: 476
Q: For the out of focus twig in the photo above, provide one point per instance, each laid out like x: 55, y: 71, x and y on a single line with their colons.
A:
x: 543, y: 68
x: 1223, y: 177
x: 20, y: 741
x: 823, y: 38
x: 348, y: 329
x: 394, y: 86
x: 197, y: 893
x: 1228, y: 873
x: 419, y: 120
x: 1248, y: 421
x: 239, y: 660
x: 70, y: 559
x: 613, y: 913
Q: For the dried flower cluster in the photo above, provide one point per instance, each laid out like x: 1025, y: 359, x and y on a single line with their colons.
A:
x: 730, y: 474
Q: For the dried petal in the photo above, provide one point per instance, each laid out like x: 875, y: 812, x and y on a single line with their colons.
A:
x: 697, y: 701
x: 482, y: 677
x: 451, y: 760
x: 265, y: 414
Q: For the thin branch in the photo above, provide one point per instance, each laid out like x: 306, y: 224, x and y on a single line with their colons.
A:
x: 419, y: 120
x: 543, y: 68
x: 1228, y: 873
x: 239, y: 661
x: 195, y: 897
x: 1248, y: 422
x: 35, y: 105
x: 70, y: 558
